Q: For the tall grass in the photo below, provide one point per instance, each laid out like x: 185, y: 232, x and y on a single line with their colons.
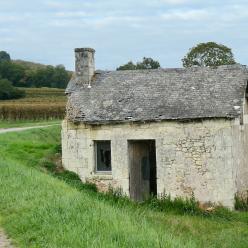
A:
x: 39, y: 210
x: 241, y: 201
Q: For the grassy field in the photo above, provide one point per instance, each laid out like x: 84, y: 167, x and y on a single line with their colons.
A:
x: 26, y: 123
x: 40, y: 210
x: 39, y: 104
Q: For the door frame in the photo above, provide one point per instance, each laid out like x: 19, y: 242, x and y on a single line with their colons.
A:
x: 152, y: 166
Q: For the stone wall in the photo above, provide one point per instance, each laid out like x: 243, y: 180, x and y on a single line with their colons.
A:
x: 240, y: 150
x: 192, y: 158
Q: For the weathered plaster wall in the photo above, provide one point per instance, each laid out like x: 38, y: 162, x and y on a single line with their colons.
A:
x: 194, y: 157
x: 240, y: 149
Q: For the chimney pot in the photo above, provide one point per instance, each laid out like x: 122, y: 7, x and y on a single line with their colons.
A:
x: 85, y: 64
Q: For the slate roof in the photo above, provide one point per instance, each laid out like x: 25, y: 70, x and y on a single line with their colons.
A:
x: 160, y: 94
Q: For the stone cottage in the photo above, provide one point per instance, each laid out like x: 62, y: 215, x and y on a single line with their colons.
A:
x: 172, y: 131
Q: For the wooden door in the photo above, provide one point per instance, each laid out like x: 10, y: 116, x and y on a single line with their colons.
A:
x: 140, y: 169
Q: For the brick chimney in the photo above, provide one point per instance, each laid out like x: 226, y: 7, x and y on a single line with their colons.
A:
x: 85, y: 64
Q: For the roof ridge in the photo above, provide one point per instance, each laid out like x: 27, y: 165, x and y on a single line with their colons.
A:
x: 232, y: 66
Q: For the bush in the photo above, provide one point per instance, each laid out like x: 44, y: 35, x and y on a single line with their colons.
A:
x: 241, y: 202
x: 166, y: 203
x: 8, y: 91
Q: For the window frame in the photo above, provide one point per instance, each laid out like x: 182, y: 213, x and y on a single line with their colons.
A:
x: 96, y: 160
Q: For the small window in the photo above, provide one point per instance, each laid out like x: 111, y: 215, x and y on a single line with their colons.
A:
x: 103, y: 155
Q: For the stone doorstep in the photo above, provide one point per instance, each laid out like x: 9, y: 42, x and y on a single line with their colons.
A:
x: 4, y: 240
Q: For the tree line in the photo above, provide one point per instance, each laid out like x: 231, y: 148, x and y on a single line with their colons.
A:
x: 24, y: 76
x: 14, y: 75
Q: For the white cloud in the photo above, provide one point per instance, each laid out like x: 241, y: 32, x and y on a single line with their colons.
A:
x: 72, y: 5
x: 111, y: 20
x: 55, y: 4
x: 63, y: 23
x: 174, y: 2
x: 97, y: 22
x: 71, y: 14
x: 186, y: 15
x: 228, y: 14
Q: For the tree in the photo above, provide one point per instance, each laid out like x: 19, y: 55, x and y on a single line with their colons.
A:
x: 8, y: 91
x: 22, y: 75
x: 129, y: 66
x: 4, y: 56
x: 60, y: 77
x: 42, y: 77
x: 13, y: 72
x: 208, y: 54
x: 56, y: 77
x: 147, y: 63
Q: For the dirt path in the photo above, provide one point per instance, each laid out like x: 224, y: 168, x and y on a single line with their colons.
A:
x: 4, y: 241
x: 19, y: 129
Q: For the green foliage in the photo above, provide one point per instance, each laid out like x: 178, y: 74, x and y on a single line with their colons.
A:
x: 117, y: 197
x: 147, y: 63
x: 13, y: 72
x: 7, y: 91
x: 4, y: 56
x: 26, y: 74
x: 208, y: 54
x: 74, y: 180
x: 55, y: 77
x: 177, y: 205
x: 60, y: 77
x: 28, y: 64
x: 224, y: 213
x: 129, y: 66
x: 48, y: 165
x: 241, y: 202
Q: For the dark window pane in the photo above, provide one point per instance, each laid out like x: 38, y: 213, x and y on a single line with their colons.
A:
x: 103, y: 156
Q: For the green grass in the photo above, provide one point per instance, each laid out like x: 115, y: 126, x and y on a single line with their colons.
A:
x: 39, y: 210
x: 26, y: 123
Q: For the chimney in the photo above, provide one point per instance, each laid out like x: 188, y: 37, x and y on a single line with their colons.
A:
x: 85, y: 64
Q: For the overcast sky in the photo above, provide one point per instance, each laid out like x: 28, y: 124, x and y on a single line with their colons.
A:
x: 47, y: 31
